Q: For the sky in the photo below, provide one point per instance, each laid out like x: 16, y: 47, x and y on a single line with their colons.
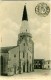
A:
x: 10, y: 24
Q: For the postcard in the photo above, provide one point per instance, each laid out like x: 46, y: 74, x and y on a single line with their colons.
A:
x: 25, y: 40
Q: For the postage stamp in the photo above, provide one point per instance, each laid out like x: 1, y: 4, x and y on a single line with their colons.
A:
x: 42, y: 9
x: 25, y: 40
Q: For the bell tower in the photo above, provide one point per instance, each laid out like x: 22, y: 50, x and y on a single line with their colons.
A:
x: 24, y: 30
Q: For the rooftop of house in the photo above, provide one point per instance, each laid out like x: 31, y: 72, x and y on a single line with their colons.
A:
x: 38, y: 59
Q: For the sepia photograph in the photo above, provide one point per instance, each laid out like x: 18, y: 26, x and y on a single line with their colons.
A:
x: 25, y: 40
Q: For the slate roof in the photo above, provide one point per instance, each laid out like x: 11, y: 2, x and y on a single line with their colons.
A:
x: 25, y: 17
x: 6, y: 49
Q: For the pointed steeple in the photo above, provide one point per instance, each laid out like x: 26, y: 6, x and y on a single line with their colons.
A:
x: 24, y: 30
x: 25, y: 17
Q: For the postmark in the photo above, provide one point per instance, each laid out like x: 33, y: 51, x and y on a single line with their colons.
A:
x: 42, y: 9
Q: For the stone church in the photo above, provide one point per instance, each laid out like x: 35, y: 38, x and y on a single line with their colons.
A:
x: 20, y: 58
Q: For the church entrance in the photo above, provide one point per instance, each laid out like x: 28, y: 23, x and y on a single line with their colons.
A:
x: 1, y: 65
x: 24, y: 68
x: 27, y: 65
x: 30, y: 67
x: 14, y: 69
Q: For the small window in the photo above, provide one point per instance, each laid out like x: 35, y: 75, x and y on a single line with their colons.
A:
x: 48, y: 66
x: 22, y: 37
x: 23, y: 54
x: 48, y: 62
x: 24, y: 44
x: 26, y: 30
x: 8, y: 69
x: 14, y: 55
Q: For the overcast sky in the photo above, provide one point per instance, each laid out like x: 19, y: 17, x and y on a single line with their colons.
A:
x: 10, y: 23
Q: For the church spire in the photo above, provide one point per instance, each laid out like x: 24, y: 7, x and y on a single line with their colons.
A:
x: 25, y: 17
x: 24, y: 30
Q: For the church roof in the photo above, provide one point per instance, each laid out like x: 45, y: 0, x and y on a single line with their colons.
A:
x: 25, y: 17
x: 6, y: 49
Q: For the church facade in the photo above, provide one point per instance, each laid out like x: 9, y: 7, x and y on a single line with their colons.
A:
x: 20, y: 58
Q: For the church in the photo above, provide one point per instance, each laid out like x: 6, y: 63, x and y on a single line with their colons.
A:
x: 19, y: 59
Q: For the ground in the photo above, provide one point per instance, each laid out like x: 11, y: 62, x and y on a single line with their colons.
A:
x: 36, y: 75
